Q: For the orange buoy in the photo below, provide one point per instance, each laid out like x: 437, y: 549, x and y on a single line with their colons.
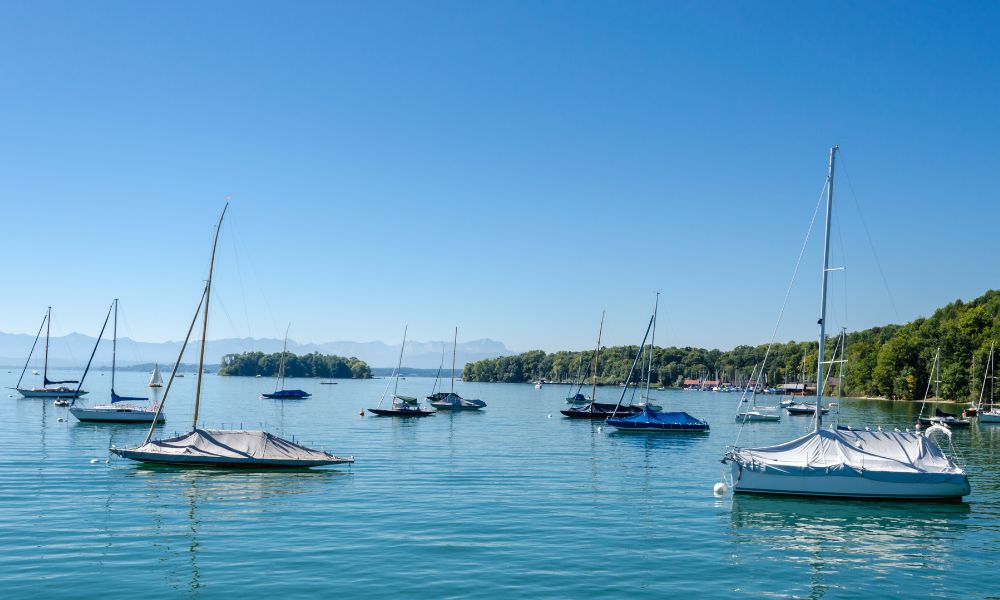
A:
x: 362, y: 413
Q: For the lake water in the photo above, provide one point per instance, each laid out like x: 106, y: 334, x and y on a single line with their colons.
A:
x: 514, y: 501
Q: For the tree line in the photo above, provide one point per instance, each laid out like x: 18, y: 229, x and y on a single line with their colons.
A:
x: 314, y: 364
x: 892, y: 361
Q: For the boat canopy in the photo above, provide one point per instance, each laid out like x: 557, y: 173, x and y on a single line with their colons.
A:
x: 116, y: 398
x: 882, y: 455
x: 204, y: 445
x: 406, y: 399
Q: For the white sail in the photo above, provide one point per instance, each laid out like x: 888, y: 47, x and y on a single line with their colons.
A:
x: 156, y: 380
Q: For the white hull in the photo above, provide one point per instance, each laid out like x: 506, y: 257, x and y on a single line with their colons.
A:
x: 834, y: 486
x: 50, y: 393
x: 757, y: 417
x: 989, y: 417
x: 115, y: 414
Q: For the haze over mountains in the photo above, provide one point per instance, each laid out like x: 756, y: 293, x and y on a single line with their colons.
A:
x: 73, y: 350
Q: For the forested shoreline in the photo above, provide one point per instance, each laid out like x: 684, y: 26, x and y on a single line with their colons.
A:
x: 314, y: 364
x: 891, y: 361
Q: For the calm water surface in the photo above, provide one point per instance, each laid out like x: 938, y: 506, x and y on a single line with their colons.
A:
x: 514, y: 501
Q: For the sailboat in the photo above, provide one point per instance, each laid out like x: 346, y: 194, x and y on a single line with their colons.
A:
x: 650, y: 419
x: 451, y: 400
x: 122, y: 408
x: 284, y: 394
x: 991, y: 414
x: 156, y: 380
x: 593, y: 409
x: 46, y: 391
x: 940, y: 417
x: 754, y: 413
x: 402, y: 406
x: 221, y: 447
x: 840, y: 463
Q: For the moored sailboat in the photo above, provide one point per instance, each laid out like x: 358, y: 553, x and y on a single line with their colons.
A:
x: 841, y: 463
x: 49, y: 389
x: 401, y: 406
x: 221, y: 447
x: 283, y: 394
x: 121, y: 409
x: 589, y: 408
x: 451, y: 400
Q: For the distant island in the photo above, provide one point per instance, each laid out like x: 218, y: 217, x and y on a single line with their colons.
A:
x: 892, y: 361
x: 250, y: 364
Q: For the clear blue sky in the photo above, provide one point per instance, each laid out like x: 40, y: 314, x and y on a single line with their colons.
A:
x: 509, y: 167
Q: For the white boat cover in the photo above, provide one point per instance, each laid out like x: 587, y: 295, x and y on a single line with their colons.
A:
x: 890, y: 456
x: 222, y: 446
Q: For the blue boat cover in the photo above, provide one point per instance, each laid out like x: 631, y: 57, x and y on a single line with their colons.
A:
x: 288, y: 394
x: 651, y: 419
x: 116, y: 398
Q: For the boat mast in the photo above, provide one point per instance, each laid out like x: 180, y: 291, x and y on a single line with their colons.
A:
x: 281, y: 362
x: 937, y: 379
x: 48, y: 327
x: 399, y: 363
x: 114, y: 349
x: 454, y: 351
x: 597, y: 357
x: 826, y: 273
x: 204, y: 321
x: 652, y: 344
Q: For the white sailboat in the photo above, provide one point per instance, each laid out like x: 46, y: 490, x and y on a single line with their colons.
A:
x: 451, y: 400
x: 991, y: 414
x: 840, y: 463
x: 121, y: 409
x: 156, y: 380
x: 221, y: 447
x: 49, y: 389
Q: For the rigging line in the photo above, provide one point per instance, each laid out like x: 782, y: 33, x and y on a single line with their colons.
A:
x: 131, y: 338
x: 239, y: 275
x: 871, y: 244
x: 784, y: 303
x: 260, y: 286
x: 225, y: 311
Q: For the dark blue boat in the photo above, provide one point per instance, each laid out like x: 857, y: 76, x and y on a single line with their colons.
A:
x: 651, y: 420
x: 287, y: 395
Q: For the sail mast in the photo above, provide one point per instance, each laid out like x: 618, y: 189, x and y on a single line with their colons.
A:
x: 454, y: 351
x: 204, y: 321
x: 114, y: 349
x: 399, y: 363
x: 826, y: 273
x: 48, y: 328
x: 281, y: 362
x: 652, y: 344
x: 597, y: 357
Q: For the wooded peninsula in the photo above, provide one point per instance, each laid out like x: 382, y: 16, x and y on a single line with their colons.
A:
x: 892, y: 361
x: 314, y: 364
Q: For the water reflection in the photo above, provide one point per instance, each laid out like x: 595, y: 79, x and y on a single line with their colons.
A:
x: 829, y: 536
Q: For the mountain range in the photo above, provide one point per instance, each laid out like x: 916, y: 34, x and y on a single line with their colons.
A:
x: 73, y: 349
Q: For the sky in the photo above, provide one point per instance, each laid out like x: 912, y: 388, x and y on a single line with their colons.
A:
x: 510, y: 168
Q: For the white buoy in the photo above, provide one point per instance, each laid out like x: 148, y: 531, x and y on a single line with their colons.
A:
x: 720, y: 489
x: 61, y: 419
x: 599, y: 429
x: 93, y: 461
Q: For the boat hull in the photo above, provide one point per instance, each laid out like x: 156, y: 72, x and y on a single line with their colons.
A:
x: 224, y: 462
x: 392, y: 412
x: 989, y: 417
x: 754, y: 417
x: 746, y: 481
x: 51, y: 393
x: 115, y: 415
x: 952, y: 423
